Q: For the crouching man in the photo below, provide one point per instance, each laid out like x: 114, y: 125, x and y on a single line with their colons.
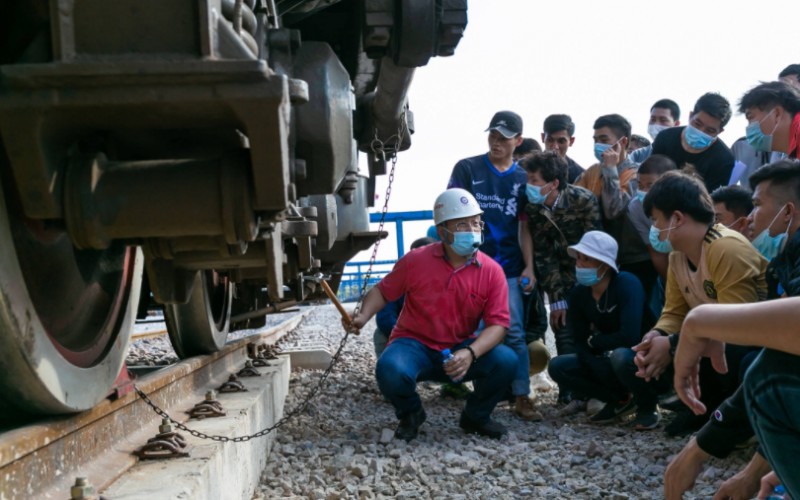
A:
x: 449, y: 288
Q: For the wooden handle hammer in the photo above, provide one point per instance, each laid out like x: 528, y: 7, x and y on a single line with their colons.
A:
x: 346, y: 317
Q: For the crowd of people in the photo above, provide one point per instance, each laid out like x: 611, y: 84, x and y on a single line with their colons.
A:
x: 668, y: 266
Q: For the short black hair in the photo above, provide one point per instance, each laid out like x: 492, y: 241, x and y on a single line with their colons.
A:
x: 657, y: 164
x: 640, y: 140
x: 617, y: 123
x: 737, y: 199
x: 421, y: 242
x: 528, y: 145
x: 767, y: 95
x: 557, y: 123
x: 669, y: 104
x: 715, y: 106
x: 784, y: 175
x: 678, y: 191
x: 549, y: 165
x: 791, y: 70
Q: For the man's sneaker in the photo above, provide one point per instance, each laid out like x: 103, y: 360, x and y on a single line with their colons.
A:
x: 564, y: 397
x: 408, y: 427
x: 454, y: 390
x: 670, y: 401
x: 614, y: 410
x: 525, y: 410
x: 490, y: 428
x: 542, y: 383
x: 593, y: 406
x: 573, y: 407
x: 685, y: 422
x: 646, y: 420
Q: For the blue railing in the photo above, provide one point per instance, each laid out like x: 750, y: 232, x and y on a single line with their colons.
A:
x: 353, y: 279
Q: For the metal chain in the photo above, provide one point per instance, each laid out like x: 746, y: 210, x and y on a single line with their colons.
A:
x: 377, y: 147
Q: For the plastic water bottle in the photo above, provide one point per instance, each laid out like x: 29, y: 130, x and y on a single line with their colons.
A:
x: 447, y: 356
x: 524, y: 284
x: 779, y: 493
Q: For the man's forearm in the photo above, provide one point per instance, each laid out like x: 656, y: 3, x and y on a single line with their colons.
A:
x: 373, y: 303
x: 526, y: 244
x: 772, y: 324
x: 488, y: 339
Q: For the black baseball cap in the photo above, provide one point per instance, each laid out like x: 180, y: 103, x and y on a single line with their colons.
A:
x: 507, y: 123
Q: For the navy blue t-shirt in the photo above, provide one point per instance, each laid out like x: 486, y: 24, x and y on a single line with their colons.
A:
x: 501, y: 196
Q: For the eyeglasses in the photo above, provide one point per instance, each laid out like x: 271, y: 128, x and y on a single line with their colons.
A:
x: 470, y: 226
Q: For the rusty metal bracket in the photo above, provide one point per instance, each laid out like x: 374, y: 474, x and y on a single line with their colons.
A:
x: 166, y: 444
x: 249, y: 370
x: 261, y: 362
x: 208, y: 408
x: 232, y: 385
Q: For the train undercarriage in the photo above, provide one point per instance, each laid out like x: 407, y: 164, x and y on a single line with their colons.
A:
x: 207, y: 146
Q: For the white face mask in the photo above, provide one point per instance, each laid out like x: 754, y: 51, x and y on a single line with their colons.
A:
x: 654, y: 128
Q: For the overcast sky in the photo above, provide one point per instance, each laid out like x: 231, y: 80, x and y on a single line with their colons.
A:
x: 586, y: 59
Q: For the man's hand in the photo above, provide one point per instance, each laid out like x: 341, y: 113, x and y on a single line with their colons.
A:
x: 652, y: 356
x: 558, y: 319
x: 357, y: 322
x: 742, y: 486
x: 457, y: 367
x: 687, y: 368
x: 683, y: 470
x: 768, y: 484
x: 527, y: 273
x: 611, y: 155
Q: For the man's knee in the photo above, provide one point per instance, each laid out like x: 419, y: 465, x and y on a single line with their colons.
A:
x: 503, y: 359
x: 392, y: 371
x: 622, y: 360
x: 558, y: 366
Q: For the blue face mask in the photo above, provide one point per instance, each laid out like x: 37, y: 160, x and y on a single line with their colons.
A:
x: 587, y: 276
x: 640, y: 195
x: 599, y: 149
x: 758, y: 139
x: 658, y: 245
x: 466, y: 243
x: 697, y: 139
x: 771, y: 246
x: 534, y: 194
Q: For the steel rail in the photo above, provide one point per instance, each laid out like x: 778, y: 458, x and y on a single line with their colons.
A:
x: 47, y: 455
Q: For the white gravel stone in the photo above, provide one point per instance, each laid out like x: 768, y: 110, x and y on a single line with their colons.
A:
x: 344, y: 448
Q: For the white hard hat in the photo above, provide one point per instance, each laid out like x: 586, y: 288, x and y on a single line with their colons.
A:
x: 455, y: 203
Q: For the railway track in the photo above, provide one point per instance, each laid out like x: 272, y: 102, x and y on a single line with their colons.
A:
x: 43, y: 459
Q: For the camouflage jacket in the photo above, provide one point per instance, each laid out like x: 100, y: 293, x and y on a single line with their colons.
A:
x: 554, y: 229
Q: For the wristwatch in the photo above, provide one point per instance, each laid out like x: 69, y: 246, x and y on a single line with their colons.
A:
x: 673, y: 343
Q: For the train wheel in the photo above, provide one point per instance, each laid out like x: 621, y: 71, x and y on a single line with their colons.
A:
x: 201, y: 325
x: 65, y: 314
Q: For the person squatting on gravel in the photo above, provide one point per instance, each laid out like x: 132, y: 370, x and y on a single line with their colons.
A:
x: 449, y: 288
x: 606, y: 313
x: 708, y: 264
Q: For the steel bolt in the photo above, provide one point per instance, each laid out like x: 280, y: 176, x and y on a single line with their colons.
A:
x: 82, y: 489
x: 165, y: 426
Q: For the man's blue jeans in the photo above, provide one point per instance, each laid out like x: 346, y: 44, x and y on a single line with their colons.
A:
x: 515, y: 339
x: 407, y: 361
x: 772, y: 395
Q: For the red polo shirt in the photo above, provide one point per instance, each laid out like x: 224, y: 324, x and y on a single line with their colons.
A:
x: 443, y: 305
